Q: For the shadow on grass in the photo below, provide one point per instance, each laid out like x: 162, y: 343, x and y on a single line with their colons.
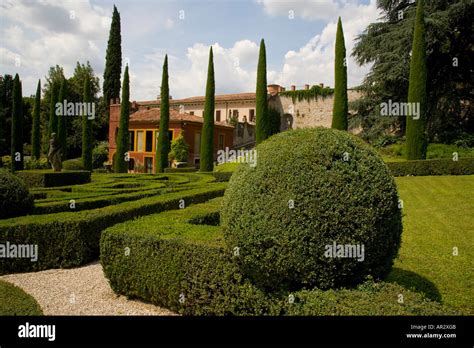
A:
x: 413, y: 281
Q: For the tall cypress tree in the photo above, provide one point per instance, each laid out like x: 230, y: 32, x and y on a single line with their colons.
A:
x: 35, y: 132
x: 163, y: 146
x: 340, y: 107
x: 61, y: 121
x: 207, y: 137
x: 113, y: 61
x: 263, y: 124
x: 53, y: 119
x: 416, y: 141
x: 121, y: 165
x: 87, y: 129
x: 17, y: 126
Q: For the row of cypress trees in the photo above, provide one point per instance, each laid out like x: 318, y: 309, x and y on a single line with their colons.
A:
x: 163, y: 144
x: 17, y: 125
x: 57, y: 124
x: 416, y: 139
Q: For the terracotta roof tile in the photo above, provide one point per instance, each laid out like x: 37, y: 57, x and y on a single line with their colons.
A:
x: 201, y: 99
x: 153, y: 115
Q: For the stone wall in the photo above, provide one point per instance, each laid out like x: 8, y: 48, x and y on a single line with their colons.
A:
x: 304, y: 113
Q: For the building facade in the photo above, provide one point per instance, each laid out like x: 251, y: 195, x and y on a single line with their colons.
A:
x: 144, y: 129
x: 234, y: 119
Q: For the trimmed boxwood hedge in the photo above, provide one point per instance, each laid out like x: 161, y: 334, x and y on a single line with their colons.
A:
x: 72, y: 238
x: 222, y: 176
x: 48, y: 178
x: 165, y: 257
x: 73, y: 164
x: 15, y: 200
x: 463, y: 166
x: 181, y: 170
x: 169, y: 257
x: 369, y: 298
x: 85, y: 203
x: 312, y: 188
x: 15, y: 301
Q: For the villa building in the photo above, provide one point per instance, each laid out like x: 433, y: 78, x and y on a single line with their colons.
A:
x: 234, y: 121
x: 144, y: 128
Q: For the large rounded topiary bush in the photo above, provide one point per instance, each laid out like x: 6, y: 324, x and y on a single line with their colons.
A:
x: 311, y: 190
x: 15, y: 200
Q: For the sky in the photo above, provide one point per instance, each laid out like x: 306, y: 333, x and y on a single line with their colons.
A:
x: 299, y: 37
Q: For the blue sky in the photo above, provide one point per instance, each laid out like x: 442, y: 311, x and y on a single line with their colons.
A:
x: 299, y: 37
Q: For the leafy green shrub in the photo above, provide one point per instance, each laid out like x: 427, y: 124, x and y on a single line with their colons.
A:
x: 14, y: 301
x: 48, y: 178
x: 73, y: 164
x: 171, y: 259
x: 6, y: 162
x: 72, y: 238
x: 466, y: 140
x: 41, y: 163
x: 385, y: 140
x: 179, y: 149
x: 463, y: 166
x: 311, y: 189
x: 100, y: 154
x: 15, y: 200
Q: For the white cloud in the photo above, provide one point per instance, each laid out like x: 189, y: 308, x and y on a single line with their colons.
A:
x: 314, y: 62
x: 234, y: 69
x: 45, y: 33
x: 169, y: 23
x: 42, y: 33
x: 305, y: 9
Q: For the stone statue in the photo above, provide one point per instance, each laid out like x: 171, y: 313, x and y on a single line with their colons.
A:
x: 54, y: 153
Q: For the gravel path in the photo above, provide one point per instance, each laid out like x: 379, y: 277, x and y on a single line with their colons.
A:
x: 79, y: 291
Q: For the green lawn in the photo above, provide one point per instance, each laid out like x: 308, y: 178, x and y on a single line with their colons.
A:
x: 438, y: 216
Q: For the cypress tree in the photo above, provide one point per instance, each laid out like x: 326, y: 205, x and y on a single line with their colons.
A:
x: 113, y: 61
x: 87, y: 129
x: 416, y: 141
x: 121, y: 164
x: 163, y: 146
x: 263, y: 124
x: 207, y: 137
x: 61, y: 121
x: 35, y: 132
x: 340, y: 107
x: 17, y: 126
x: 53, y: 119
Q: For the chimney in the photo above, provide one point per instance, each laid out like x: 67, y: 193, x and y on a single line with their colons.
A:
x: 134, y: 105
x: 273, y: 89
x: 306, y: 87
x: 293, y: 87
x: 322, y: 85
